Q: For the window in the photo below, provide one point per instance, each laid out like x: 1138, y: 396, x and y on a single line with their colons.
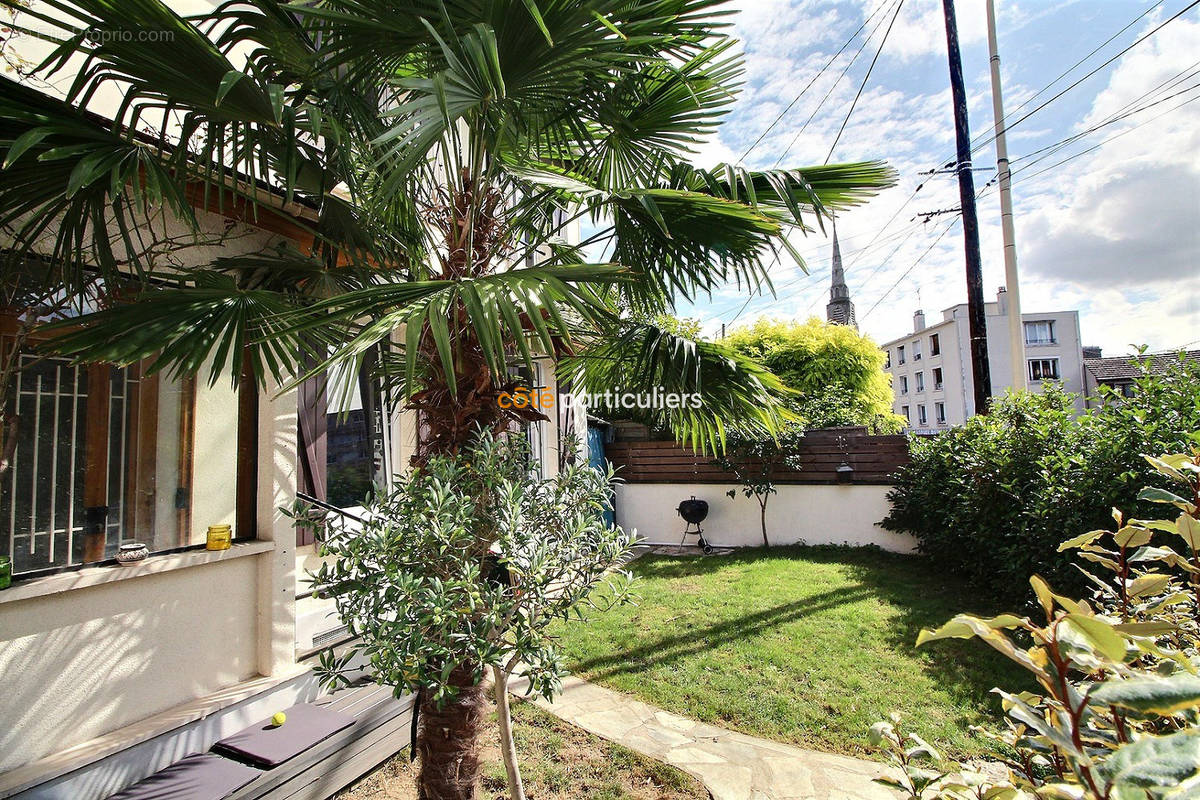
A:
x: 887, y: 359
x: 900, y: 354
x: 937, y: 378
x: 1041, y: 332
x: 916, y: 349
x: 1043, y: 369
x: 903, y: 384
x: 920, y: 381
x: 935, y: 344
x: 939, y: 413
x: 922, y: 415
x: 104, y: 456
x: 343, y: 438
x: 904, y: 411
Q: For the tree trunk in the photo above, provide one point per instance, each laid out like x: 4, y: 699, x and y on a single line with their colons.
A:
x: 762, y: 517
x: 447, y: 741
x: 508, y: 748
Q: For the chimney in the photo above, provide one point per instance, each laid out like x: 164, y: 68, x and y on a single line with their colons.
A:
x: 1091, y: 351
x: 918, y: 321
x: 1002, y: 301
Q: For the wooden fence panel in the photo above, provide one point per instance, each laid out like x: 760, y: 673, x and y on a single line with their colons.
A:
x: 874, y: 459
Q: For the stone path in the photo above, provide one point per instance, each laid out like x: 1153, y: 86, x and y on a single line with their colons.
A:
x: 732, y: 765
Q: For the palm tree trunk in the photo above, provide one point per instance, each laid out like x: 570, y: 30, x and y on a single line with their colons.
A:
x: 447, y: 741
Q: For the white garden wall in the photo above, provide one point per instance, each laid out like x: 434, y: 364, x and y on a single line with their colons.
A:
x: 799, y: 513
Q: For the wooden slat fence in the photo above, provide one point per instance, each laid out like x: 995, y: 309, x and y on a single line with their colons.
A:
x: 874, y: 459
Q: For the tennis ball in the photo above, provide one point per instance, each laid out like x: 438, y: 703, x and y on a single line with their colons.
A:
x: 279, y: 718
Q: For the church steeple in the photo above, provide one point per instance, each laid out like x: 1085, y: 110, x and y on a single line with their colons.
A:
x: 840, y: 309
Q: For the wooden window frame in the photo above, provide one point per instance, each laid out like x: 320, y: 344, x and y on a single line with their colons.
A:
x: 138, y: 505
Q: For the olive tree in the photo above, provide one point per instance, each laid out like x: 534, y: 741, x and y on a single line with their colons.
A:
x: 434, y: 606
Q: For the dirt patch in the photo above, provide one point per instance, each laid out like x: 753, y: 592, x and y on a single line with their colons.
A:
x: 558, y: 762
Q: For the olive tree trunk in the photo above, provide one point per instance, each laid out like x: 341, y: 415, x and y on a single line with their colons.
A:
x: 508, y: 747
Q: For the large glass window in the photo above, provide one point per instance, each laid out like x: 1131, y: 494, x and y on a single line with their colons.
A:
x: 102, y: 455
x: 343, y: 437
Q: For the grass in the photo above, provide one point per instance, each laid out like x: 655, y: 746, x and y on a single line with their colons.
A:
x: 808, y: 646
x: 558, y: 762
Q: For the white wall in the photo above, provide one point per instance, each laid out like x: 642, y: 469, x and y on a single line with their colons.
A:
x: 809, y: 514
x: 88, y: 661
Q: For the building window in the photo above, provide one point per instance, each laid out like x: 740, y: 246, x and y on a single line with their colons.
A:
x: 939, y: 412
x: 900, y: 354
x: 887, y: 359
x: 922, y: 415
x: 905, y: 412
x: 1041, y: 332
x: 104, y: 456
x: 937, y: 379
x: 935, y: 344
x: 1043, y: 369
x: 343, y: 438
x: 903, y: 384
x: 916, y: 349
x: 920, y: 381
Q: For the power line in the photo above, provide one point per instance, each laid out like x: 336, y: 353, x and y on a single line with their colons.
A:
x: 866, y: 77
x: 1097, y: 146
x: 815, y: 78
x: 828, y: 94
x: 1076, y: 65
x: 1108, y: 61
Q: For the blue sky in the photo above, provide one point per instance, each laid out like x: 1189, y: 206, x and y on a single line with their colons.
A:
x: 1114, y: 232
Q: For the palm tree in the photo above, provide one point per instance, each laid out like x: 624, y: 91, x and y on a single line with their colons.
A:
x: 440, y: 146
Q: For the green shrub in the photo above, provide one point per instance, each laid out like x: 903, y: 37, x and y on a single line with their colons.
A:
x: 1116, y: 712
x: 989, y: 500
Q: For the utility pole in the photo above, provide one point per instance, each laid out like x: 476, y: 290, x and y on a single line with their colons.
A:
x: 1016, y: 331
x: 977, y: 323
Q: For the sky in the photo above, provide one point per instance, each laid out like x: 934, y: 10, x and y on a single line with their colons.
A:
x: 1108, y: 224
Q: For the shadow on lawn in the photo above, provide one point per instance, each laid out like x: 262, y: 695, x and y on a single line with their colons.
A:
x: 905, y: 583
x: 667, y: 649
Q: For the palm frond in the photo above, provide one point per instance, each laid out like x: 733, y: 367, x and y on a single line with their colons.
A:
x: 506, y: 316
x: 643, y: 358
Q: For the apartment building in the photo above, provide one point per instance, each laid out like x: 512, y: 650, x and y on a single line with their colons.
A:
x: 931, y: 367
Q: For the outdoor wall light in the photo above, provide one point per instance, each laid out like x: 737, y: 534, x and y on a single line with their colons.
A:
x: 845, y: 472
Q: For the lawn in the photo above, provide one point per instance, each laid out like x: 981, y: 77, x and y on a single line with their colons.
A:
x: 558, y: 762
x: 807, y: 645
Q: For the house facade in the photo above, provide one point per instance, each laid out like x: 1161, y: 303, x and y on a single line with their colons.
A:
x: 113, y: 672
x: 931, y: 366
x: 1119, y: 372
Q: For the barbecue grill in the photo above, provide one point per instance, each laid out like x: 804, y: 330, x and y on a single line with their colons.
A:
x: 694, y: 512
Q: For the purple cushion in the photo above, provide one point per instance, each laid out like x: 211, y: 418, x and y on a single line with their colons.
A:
x: 265, y: 745
x: 203, y: 776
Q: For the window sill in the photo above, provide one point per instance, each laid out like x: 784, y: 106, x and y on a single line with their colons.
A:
x: 152, y: 565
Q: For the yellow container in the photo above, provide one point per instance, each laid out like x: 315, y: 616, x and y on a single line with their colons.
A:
x: 219, y: 537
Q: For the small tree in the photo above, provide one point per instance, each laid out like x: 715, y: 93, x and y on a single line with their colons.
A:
x: 754, y: 459
x: 836, y: 371
x: 434, y: 607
